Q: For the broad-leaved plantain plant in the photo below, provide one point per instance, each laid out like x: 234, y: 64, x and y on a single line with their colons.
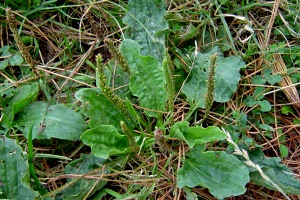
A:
x: 141, y: 115
x: 131, y: 110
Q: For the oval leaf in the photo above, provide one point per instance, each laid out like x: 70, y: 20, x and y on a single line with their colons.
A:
x: 54, y: 121
x: 227, y: 77
x: 147, y: 80
x: 145, y: 20
x: 223, y: 174
x: 105, y: 141
x: 16, y: 59
x: 196, y: 135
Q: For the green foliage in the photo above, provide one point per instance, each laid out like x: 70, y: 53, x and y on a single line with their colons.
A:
x: 105, y: 141
x: 135, y: 122
x: 196, y: 135
x: 50, y: 121
x: 223, y: 174
x: 258, y: 96
x: 15, y: 178
x: 227, y: 77
x: 147, y: 80
x: 169, y: 74
x: 146, y: 26
x: 81, y: 188
x: 10, y: 57
x: 20, y: 98
x: 99, y: 109
x: 284, y: 151
x: 280, y: 174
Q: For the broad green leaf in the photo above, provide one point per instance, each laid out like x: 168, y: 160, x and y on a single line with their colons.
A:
x: 179, y: 129
x: 54, y: 121
x: 80, y: 189
x: 280, y: 174
x: 147, y: 80
x: 196, y: 135
x: 223, y: 174
x: 3, y: 64
x: 23, y: 96
x: 16, y: 59
x: 272, y: 79
x: 99, y: 109
x: 105, y: 141
x: 250, y: 101
x: 14, y: 174
x: 259, y: 80
x: 265, y: 105
x: 227, y: 77
x: 146, y: 25
x: 4, y: 51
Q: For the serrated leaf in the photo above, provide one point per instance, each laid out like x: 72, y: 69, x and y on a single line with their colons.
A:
x: 99, y: 109
x: 54, y: 121
x: 265, y: 105
x: 227, y: 77
x: 14, y: 174
x: 223, y: 174
x: 147, y: 80
x: 196, y: 135
x: 280, y: 174
x: 82, y: 188
x: 105, y: 141
x: 16, y: 59
x: 147, y: 25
